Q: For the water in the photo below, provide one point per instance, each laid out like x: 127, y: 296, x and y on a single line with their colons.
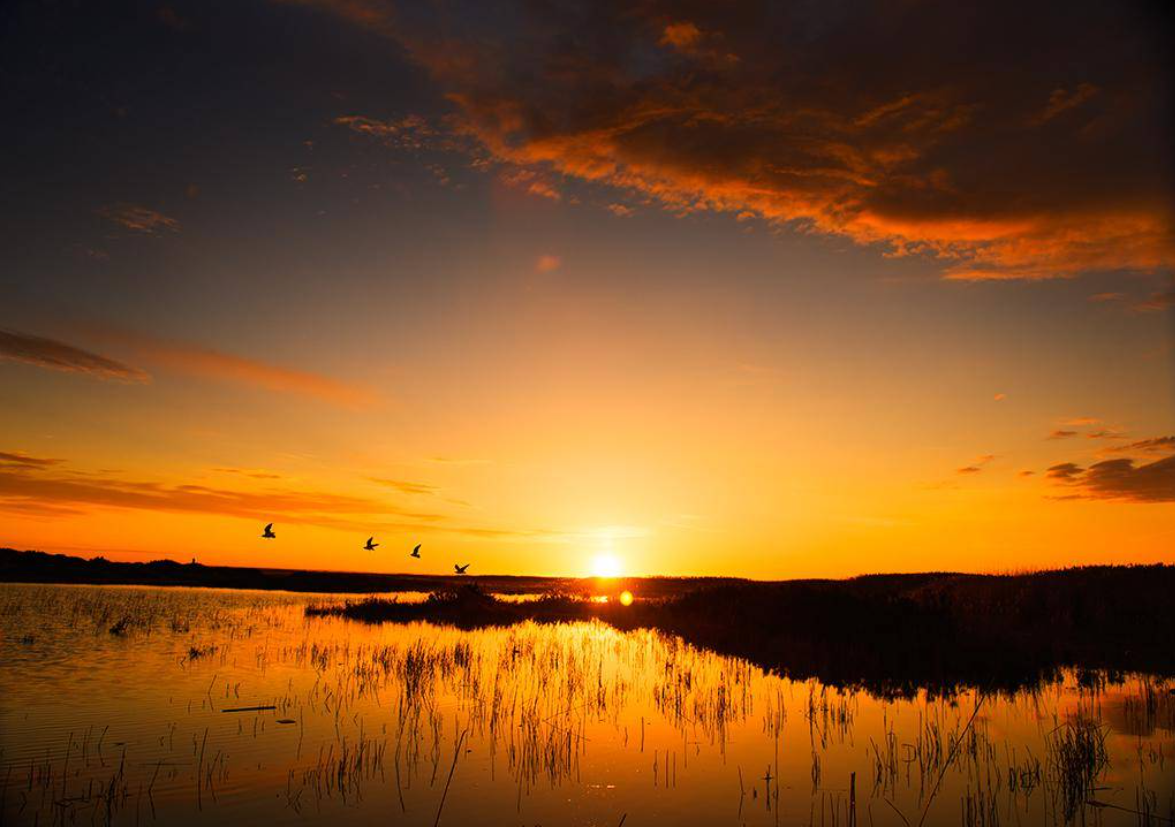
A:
x: 568, y: 724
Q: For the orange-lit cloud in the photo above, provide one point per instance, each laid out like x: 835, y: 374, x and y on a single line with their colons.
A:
x: 812, y: 125
x: 1062, y: 434
x: 547, y: 263
x: 193, y: 360
x: 138, y: 218
x: 684, y: 36
x: 42, y: 486
x: 55, y: 355
x: 1157, y: 301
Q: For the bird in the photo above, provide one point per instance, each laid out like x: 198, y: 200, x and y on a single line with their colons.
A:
x: 369, y: 545
x: 415, y: 552
x: 460, y: 569
x: 268, y: 533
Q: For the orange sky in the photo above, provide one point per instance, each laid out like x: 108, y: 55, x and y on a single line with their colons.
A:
x: 661, y: 293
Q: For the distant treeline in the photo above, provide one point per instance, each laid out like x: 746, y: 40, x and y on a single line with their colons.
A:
x: 39, y: 567
x: 890, y: 633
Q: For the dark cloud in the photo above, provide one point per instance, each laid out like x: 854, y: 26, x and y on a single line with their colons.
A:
x: 19, y: 460
x: 49, y: 353
x: 919, y: 127
x: 976, y: 466
x: 1062, y: 434
x: 1064, y: 471
x: 1154, y: 445
x: 1120, y: 479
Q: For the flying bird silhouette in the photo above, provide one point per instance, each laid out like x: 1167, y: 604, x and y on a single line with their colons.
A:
x: 268, y: 533
x: 415, y: 552
x: 369, y: 545
x: 460, y: 569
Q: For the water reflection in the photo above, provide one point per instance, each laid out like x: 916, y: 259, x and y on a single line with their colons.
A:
x: 124, y: 704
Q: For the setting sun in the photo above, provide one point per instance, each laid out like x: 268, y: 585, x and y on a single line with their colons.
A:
x: 606, y: 565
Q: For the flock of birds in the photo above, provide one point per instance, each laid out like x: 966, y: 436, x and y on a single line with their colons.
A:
x: 370, y: 545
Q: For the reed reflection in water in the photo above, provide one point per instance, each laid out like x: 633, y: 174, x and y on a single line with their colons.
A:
x: 191, y: 706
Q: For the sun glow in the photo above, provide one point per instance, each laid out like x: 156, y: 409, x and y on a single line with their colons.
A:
x: 606, y: 565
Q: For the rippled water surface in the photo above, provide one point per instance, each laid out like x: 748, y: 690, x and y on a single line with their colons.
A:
x: 121, y: 704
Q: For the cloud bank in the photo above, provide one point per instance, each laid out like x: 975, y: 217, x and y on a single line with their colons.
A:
x: 1015, y: 143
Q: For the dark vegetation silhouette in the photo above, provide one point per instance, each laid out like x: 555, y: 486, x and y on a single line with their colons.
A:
x: 888, y: 633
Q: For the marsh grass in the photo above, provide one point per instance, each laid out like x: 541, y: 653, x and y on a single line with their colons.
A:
x: 373, y: 709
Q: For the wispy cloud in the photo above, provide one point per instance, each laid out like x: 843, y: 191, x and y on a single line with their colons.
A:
x: 55, y: 355
x: 1157, y: 301
x: 1061, y: 433
x: 1062, y: 100
x: 1154, y: 445
x: 252, y: 473
x: 45, y: 487
x: 138, y: 218
x: 20, y: 460
x: 198, y: 361
x: 405, y: 487
x: 977, y: 465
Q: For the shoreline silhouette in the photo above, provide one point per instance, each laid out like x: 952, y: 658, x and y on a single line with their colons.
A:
x: 890, y: 633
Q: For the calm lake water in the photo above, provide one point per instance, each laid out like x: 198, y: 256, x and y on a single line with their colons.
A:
x: 573, y: 724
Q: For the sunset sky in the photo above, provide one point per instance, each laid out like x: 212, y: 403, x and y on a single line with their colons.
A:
x: 766, y: 290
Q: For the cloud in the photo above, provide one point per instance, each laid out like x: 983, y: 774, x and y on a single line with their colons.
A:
x: 547, y: 264
x: 963, y: 150
x: 1062, y: 434
x: 411, y: 132
x: 55, y: 355
x: 39, y: 487
x: 1156, y: 301
x: 621, y: 211
x: 1000, y: 397
x: 1066, y: 471
x: 1106, y: 433
x: 1154, y: 445
x: 684, y: 36
x: 252, y: 473
x: 138, y: 218
x: 975, y: 468
x: 405, y: 487
x: 193, y: 360
x: 1120, y: 479
x: 19, y: 460
x: 458, y: 461
x: 1062, y: 100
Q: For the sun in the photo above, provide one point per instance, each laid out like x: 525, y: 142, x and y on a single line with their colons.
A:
x: 606, y: 565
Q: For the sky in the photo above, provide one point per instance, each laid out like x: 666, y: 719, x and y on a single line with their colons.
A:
x: 552, y: 287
